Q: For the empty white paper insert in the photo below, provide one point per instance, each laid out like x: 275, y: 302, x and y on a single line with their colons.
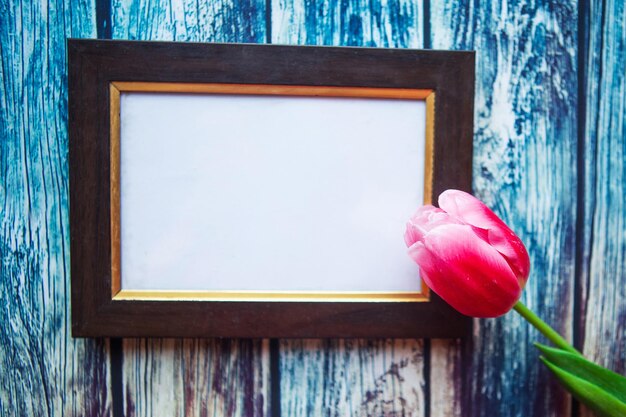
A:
x: 268, y: 193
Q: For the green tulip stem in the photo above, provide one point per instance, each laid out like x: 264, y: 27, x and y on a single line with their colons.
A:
x: 544, y: 328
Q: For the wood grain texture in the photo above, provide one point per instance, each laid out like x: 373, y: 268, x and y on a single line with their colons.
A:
x: 446, y: 377
x: 376, y: 23
x: 603, y: 326
x: 526, y: 100
x: 350, y: 377
x: 189, y: 20
x: 44, y: 370
x: 525, y: 169
x: 193, y: 377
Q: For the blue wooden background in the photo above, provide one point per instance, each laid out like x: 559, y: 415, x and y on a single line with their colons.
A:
x: 550, y: 144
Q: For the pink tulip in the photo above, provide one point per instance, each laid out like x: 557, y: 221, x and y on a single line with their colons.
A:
x: 467, y: 255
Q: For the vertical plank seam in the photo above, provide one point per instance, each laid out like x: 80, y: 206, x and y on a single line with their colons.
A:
x: 579, y: 262
x: 427, y: 388
x: 581, y: 172
x: 103, y: 19
x: 268, y: 21
x: 117, y: 394
x: 275, y: 406
x: 426, y: 35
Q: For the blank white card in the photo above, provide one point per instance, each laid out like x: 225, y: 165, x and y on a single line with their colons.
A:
x: 226, y: 192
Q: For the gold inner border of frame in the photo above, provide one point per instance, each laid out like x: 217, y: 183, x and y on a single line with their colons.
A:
x: 115, y: 90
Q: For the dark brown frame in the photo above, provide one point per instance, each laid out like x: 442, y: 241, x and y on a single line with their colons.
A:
x: 99, y: 70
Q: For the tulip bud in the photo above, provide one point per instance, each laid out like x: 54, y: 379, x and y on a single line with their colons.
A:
x: 467, y: 255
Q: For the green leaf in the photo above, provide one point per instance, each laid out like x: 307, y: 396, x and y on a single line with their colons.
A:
x: 594, y: 397
x: 614, y: 384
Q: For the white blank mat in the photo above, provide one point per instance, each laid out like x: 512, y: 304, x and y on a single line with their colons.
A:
x: 225, y: 192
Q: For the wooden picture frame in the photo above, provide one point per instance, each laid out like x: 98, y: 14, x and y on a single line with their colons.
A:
x: 100, y: 72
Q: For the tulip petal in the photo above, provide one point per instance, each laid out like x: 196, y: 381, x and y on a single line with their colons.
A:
x: 474, y: 212
x: 425, y: 219
x: 469, y: 209
x: 466, y: 271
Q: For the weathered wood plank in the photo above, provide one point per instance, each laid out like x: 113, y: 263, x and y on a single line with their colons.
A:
x: 446, y: 378
x: 525, y: 169
x: 44, y: 370
x: 376, y: 23
x: 350, y: 377
x: 193, y: 377
x: 603, y: 329
x: 189, y: 20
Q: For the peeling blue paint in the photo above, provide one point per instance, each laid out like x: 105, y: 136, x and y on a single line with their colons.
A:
x: 528, y: 165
